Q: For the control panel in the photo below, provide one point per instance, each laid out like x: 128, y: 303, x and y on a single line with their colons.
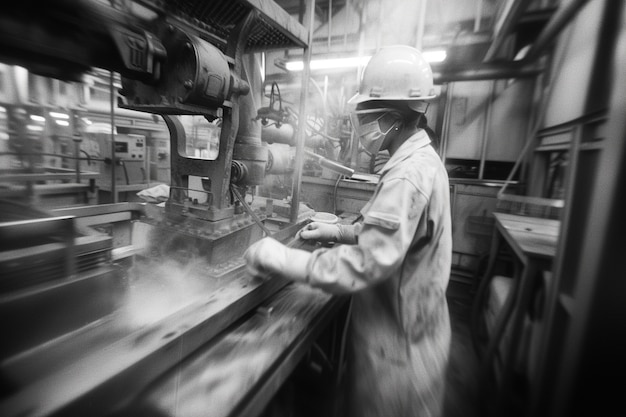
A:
x: 130, y: 147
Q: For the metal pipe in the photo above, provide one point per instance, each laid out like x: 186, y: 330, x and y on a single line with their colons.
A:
x: 479, y: 14
x: 331, y: 165
x: 306, y: 73
x: 558, y: 21
x: 504, y: 26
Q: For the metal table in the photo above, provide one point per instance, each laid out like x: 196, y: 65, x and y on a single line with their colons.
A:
x: 533, y: 242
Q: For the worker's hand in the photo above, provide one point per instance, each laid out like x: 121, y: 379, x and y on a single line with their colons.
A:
x: 268, y: 257
x: 321, y: 232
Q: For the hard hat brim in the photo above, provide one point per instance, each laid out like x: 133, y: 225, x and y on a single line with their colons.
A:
x: 362, y: 98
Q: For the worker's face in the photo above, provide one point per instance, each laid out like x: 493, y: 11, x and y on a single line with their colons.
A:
x: 373, y: 127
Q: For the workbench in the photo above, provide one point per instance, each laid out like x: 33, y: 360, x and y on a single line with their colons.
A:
x: 532, y: 241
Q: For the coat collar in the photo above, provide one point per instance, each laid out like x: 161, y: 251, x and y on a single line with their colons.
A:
x: 408, y: 148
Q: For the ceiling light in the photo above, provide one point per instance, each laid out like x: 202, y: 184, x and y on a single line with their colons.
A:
x: 57, y: 115
x: 37, y: 118
x: 437, y: 55
x: 353, y: 62
x: 350, y: 62
x: 62, y: 122
x: 34, y: 128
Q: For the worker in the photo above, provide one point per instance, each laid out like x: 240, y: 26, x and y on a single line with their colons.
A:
x: 396, y: 260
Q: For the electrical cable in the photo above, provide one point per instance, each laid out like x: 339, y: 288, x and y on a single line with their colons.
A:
x: 125, y: 171
x: 88, y: 156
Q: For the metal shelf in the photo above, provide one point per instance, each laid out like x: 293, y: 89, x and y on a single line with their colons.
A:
x: 274, y: 28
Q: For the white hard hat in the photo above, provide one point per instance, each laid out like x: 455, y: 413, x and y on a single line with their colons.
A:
x: 397, y: 73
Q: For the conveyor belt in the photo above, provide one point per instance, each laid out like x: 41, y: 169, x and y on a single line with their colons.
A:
x: 100, y: 366
x: 238, y: 372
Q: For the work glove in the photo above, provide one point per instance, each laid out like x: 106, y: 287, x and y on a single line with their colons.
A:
x: 321, y: 232
x: 268, y: 257
x: 325, y: 232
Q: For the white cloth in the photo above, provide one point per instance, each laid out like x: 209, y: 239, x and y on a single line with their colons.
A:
x: 156, y: 194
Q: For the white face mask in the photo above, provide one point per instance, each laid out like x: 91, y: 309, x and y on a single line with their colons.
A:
x: 369, y: 134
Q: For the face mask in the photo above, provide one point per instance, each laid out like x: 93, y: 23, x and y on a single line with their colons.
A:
x: 369, y: 134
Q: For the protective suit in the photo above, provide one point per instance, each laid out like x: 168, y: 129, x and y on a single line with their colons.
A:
x: 397, y: 260
x: 398, y: 270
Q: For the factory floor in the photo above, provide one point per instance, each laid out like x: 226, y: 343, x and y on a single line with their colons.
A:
x: 462, y: 378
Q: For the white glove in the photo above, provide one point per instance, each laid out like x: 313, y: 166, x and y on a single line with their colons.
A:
x: 321, y: 232
x: 270, y: 257
x: 324, y: 232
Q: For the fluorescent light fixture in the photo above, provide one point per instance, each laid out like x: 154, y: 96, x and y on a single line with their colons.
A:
x: 37, y: 118
x: 62, y: 122
x: 57, y: 115
x: 3, y: 109
x: 437, y: 55
x: 350, y: 62
x: 355, y: 61
x: 34, y: 128
x: 87, y: 121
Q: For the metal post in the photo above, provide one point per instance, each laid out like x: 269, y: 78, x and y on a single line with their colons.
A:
x: 354, y: 140
x: 330, y: 23
x: 113, y: 188
x: 77, y: 140
x: 485, y: 143
x: 300, y: 136
x: 445, y: 130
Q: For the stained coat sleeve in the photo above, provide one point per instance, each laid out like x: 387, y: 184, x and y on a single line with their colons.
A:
x: 389, y: 225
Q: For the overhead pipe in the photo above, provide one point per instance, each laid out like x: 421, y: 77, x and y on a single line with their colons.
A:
x: 510, y: 19
x: 487, y: 72
x: 558, y: 21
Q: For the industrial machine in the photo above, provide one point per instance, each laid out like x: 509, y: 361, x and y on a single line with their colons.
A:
x: 131, y: 309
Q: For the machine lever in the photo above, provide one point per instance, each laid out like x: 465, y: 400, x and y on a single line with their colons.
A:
x: 332, y: 165
x: 249, y: 210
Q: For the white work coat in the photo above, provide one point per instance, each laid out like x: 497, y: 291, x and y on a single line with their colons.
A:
x: 398, y: 270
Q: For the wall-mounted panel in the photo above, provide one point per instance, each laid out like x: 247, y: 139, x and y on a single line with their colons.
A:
x: 509, y: 122
x: 466, y: 127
